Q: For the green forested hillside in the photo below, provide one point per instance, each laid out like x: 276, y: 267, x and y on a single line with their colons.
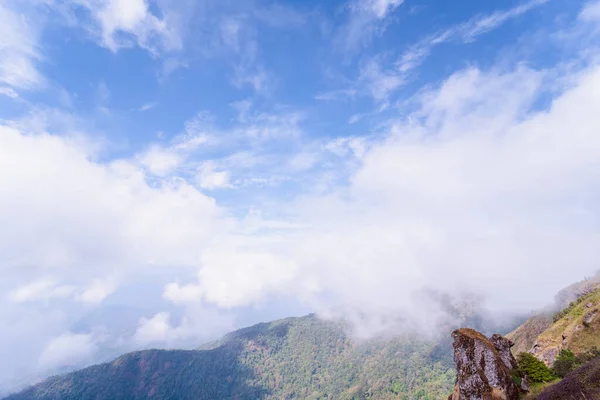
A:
x: 296, y: 358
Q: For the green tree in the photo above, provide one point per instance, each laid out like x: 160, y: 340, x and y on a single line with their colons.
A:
x: 536, y: 370
x: 565, y: 363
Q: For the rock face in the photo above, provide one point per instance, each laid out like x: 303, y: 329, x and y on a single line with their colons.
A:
x: 483, y: 367
x: 503, y: 345
x: 589, y: 317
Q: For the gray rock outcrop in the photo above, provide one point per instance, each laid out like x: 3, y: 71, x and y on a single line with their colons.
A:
x: 483, y: 367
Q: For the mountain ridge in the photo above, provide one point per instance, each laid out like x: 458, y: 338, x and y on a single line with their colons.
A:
x: 302, y: 357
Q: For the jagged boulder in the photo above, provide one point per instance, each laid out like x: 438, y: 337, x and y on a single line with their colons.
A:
x: 503, y: 345
x: 483, y: 367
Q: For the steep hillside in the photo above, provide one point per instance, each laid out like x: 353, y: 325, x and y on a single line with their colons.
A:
x: 576, y: 290
x: 301, y: 358
x: 566, y: 339
x: 526, y: 334
x: 576, y: 328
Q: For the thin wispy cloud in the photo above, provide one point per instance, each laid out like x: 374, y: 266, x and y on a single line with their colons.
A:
x: 462, y: 33
x: 147, y: 106
x: 19, y: 51
x: 366, y: 19
x: 380, y: 78
x: 114, y: 18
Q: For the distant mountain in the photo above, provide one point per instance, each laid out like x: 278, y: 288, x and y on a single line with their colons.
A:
x: 295, y: 358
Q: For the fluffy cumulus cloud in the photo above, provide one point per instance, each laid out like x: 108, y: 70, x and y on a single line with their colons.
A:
x: 76, y: 214
x: 253, y: 274
x: 160, y: 161
x: 477, y: 192
x: 160, y: 328
x: 74, y: 229
x: 210, y: 178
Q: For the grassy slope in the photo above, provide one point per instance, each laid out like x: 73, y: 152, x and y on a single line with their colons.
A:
x: 294, y: 358
x: 570, y: 331
x: 526, y: 334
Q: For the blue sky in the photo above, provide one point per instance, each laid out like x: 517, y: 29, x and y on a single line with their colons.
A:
x: 295, y: 74
x: 173, y: 170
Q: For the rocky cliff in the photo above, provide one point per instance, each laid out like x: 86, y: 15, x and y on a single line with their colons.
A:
x: 483, y: 367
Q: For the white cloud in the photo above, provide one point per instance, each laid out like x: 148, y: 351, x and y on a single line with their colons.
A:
x: 152, y: 330
x: 591, y: 12
x: 380, y: 81
x: 198, y: 323
x: 238, y: 39
x: 76, y: 215
x: 255, y: 76
x: 480, y: 25
x: 41, y: 290
x: 9, y: 92
x: 465, y: 32
x: 88, y: 227
x: 67, y: 350
x: 97, y: 291
x: 47, y: 289
x: 19, y: 51
x: 209, y: 178
x: 473, y: 184
x: 123, y: 23
x: 303, y: 161
x: 160, y: 161
x: 188, y: 155
x: 181, y: 294
x: 147, y: 107
x: 344, y: 146
x: 251, y: 275
x: 380, y: 7
x: 367, y: 18
x: 272, y: 126
x: 481, y: 188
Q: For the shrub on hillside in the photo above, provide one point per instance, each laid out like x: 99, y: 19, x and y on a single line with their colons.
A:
x: 535, y: 369
x: 589, y: 355
x: 565, y: 362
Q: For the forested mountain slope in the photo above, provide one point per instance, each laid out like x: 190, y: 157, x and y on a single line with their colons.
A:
x: 300, y: 358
